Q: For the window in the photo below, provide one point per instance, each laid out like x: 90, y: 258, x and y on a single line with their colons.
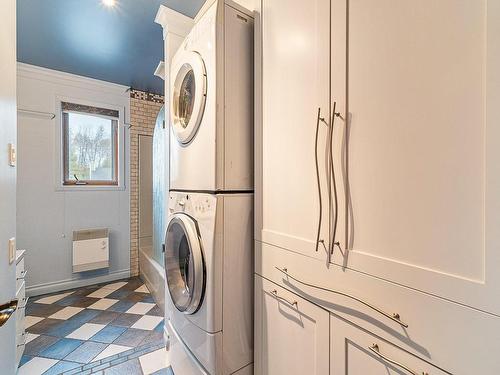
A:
x: 90, y: 138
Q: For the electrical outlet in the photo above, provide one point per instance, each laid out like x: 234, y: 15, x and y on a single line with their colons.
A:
x: 12, y: 250
x: 12, y: 155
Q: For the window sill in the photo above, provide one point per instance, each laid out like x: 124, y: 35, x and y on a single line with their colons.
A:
x: 90, y: 187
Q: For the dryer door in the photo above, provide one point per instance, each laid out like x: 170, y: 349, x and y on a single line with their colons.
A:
x: 184, y: 263
x: 189, y: 92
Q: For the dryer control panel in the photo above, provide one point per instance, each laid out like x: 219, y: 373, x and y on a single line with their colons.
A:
x: 193, y: 204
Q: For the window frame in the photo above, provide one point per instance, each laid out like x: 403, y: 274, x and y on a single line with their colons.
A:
x: 65, y: 182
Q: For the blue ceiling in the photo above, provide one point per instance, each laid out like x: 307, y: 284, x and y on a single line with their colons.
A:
x: 120, y: 44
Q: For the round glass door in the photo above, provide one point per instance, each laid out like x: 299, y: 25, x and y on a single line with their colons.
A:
x: 188, y: 97
x: 184, y: 264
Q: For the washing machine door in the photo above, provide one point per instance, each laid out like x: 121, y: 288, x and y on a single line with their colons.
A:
x: 189, y: 93
x: 184, y: 263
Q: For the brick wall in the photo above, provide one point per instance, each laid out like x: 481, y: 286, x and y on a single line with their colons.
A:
x: 144, y: 108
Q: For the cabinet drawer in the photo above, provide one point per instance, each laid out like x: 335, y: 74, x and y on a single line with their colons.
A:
x: 20, y: 316
x: 20, y: 274
x: 21, y: 308
x: 291, y: 334
x: 355, y: 351
x: 451, y: 336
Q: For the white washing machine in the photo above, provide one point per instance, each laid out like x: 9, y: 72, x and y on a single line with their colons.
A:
x: 211, y: 99
x: 209, y: 268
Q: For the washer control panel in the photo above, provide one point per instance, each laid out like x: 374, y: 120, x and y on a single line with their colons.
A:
x: 194, y: 204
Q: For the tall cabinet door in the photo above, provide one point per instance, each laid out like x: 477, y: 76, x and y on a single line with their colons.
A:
x: 296, y: 78
x: 291, y: 334
x: 417, y: 86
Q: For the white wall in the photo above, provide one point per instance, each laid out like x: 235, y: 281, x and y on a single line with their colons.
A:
x: 47, y: 214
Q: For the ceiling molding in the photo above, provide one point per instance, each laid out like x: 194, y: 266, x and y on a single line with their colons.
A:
x: 173, y: 21
x: 203, y: 9
x: 160, y: 70
x: 68, y: 79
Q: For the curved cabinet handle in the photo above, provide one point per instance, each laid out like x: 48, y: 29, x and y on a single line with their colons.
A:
x: 394, y: 317
x: 292, y: 303
x: 318, y: 180
x: 375, y: 349
x: 334, y: 206
x: 6, y: 311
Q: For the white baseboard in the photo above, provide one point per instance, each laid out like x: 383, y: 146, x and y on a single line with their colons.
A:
x: 36, y: 290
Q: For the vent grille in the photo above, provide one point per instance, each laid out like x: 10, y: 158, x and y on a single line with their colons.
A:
x: 90, y: 234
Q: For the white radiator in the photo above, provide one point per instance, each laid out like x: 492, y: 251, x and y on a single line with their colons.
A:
x: 90, y: 249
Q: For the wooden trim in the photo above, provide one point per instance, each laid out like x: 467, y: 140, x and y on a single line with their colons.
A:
x: 65, y: 131
x: 67, y: 181
x: 90, y: 183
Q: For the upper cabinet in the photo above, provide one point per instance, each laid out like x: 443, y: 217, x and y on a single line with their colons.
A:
x: 417, y: 143
x: 295, y: 113
x: 380, y: 140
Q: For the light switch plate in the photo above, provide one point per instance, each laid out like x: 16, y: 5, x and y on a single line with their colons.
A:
x: 12, y: 155
x: 12, y: 250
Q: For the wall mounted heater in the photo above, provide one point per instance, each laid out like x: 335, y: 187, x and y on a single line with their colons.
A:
x: 90, y: 249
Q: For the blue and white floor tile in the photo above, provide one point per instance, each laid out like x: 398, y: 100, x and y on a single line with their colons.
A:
x: 113, y: 328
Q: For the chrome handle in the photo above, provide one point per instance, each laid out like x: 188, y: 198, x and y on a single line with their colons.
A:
x: 335, y: 203
x: 394, y: 317
x: 318, y: 181
x: 292, y: 303
x: 375, y: 349
x: 23, y: 275
x: 6, y: 310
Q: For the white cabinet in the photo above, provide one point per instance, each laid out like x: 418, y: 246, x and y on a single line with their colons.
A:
x: 356, y: 352
x: 418, y: 84
x: 291, y: 334
x: 416, y: 145
x: 295, y: 70
x: 21, y: 307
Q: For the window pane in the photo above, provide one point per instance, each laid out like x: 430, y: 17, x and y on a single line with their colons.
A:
x: 90, y: 147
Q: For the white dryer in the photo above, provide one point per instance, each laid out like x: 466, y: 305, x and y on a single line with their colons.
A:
x: 209, y: 269
x: 211, y: 103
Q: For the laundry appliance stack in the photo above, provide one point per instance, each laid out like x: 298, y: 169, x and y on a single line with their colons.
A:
x: 208, y: 241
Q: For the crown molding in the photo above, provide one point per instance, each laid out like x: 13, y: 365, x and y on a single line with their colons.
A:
x: 68, y: 79
x: 173, y: 21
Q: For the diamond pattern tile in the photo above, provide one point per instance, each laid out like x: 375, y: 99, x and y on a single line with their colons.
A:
x: 98, y: 329
x: 61, y: 348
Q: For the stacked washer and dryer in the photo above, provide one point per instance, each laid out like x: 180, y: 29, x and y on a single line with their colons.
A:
x: 208, y: 242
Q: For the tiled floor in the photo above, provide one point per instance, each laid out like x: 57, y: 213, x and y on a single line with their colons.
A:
x: 113, y: 328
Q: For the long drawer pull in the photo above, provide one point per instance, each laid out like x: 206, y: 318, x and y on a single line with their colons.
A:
x: 292, y: 303
x: 375, y: 349
x: 394, y: 317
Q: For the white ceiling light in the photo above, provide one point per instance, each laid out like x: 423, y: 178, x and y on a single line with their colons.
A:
x: 109, y: 3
